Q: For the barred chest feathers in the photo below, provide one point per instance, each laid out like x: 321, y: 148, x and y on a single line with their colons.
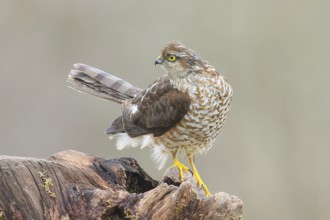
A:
x: 210, y: 101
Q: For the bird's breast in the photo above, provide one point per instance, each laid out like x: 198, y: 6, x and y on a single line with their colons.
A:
x: 198, y: 129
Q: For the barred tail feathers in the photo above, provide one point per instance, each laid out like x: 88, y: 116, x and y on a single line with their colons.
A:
x: 104, y: 85
x: 93, y: 81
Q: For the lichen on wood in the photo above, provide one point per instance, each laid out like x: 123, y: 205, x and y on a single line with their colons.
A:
x: 74, y: 185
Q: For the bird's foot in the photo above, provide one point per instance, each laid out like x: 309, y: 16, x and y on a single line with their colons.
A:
x: 200, y: 183
x: 180, y: 166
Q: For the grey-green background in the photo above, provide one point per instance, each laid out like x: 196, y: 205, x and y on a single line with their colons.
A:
x: 273, y: 151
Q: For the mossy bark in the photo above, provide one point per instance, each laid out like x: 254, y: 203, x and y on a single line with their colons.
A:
x: 74, y: 185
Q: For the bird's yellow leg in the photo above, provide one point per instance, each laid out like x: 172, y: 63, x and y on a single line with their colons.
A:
x: 197, y: 177
x: 180, y: 166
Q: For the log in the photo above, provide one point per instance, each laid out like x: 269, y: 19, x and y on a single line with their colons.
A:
x: 75, y: 185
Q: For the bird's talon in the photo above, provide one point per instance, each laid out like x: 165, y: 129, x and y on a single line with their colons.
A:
x: 191, y: 172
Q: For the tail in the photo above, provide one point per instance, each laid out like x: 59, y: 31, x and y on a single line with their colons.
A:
x: 96, y: 82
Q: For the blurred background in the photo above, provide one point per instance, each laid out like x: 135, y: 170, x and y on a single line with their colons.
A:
x: 273, y: 151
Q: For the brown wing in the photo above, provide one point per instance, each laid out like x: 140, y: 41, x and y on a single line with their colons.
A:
x: 154, y: 111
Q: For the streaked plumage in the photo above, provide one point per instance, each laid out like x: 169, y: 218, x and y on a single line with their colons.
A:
x: 181, y: 111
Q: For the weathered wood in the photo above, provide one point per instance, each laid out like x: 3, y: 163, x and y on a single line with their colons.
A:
x: 74, y: 185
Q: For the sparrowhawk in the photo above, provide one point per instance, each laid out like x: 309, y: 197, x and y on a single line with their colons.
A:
x: 182, y: 111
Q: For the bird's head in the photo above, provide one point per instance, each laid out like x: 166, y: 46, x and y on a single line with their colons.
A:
x: 178, y: 61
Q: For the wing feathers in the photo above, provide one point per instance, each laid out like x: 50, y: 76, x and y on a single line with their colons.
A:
x: 152, y: 111
x: 156, y: 110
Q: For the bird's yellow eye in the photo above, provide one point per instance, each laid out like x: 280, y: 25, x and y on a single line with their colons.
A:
x: 171, y: 58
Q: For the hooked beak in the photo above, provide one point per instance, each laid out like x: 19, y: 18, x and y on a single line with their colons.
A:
x: 159, y: 60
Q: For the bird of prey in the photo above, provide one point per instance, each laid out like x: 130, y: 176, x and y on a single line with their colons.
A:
x: 182, y: 111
